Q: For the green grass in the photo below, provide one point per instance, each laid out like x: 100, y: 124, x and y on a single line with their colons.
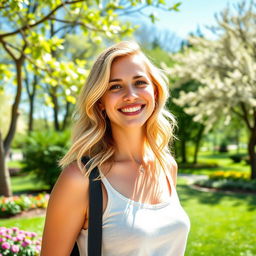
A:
x: 14, y: 164
x: 29, y: 224
x: 221, y: 224
x: 224, y: 164
x: 26, y: 184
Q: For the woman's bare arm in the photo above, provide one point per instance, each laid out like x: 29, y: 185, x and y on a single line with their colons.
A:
x: 66, y: 212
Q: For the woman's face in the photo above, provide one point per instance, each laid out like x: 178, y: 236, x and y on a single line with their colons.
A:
x: 130, y: 98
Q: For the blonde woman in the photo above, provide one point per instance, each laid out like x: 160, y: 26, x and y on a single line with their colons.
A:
x: 121, y: 123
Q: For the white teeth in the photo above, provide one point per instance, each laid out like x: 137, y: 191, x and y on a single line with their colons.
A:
x: 131, y: 109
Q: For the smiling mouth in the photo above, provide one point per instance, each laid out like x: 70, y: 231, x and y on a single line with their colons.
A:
x: 132, y: 110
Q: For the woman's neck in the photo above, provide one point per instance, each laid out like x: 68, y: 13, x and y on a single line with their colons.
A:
x: 129, y: 144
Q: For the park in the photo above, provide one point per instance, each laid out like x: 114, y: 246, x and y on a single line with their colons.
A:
x: 47, y: 50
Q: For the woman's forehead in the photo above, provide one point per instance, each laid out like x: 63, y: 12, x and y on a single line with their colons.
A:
x: 131, y: 65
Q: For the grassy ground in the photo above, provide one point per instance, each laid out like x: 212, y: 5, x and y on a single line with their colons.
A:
x: 29, y: 224
x: 27, y: 184
x: 221, y: 224
x: 222, y: 160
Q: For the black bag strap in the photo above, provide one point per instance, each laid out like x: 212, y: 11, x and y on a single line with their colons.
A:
x: 95, y: 212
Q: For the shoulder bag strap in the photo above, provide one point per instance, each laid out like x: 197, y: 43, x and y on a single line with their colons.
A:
x: 95, y: 212
x: 95, y: 215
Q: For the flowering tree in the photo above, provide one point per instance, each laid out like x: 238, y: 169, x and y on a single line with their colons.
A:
x: 226, y: 70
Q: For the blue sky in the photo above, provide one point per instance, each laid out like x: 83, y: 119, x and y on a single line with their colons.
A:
x: 193, y: 13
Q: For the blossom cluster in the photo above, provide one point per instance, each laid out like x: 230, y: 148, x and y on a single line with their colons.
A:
x: 16, y: 242
x: 13, y: 205
x: 234, y: 175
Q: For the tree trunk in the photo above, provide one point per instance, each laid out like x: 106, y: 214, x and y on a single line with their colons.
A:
x: 31, y: 97
x: 5, y: 188
x: 183, y: 151
x: 54, y: 91
x: 30, y: 117
x: 252, y: 154
x: 15, y: 107
x: 5, y: 184
x: 55, y: 109
x: 66, y: 117
x: 198, y: 140
x: 237, y: 138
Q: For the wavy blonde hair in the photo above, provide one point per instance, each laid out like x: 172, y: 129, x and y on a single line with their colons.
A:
x: 92, y: 135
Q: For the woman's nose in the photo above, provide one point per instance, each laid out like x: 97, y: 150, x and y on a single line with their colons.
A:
x: 130, y: 94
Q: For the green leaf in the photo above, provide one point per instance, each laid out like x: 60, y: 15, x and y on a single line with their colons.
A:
x: 175, y: 7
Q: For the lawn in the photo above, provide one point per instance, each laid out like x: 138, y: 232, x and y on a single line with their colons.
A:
x: 29, y: 224
x: 27, y: 184
x: 224, y: 164
x: 221, y: 224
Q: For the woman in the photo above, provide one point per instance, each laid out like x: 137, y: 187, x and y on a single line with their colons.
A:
x: 122, y: 125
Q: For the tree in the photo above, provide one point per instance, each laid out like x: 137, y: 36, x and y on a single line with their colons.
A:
x: 28, y: 33
x: 227, y: 72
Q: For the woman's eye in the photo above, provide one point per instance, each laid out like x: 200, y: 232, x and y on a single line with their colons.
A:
x: 140, y: 82
x: 115, y: 87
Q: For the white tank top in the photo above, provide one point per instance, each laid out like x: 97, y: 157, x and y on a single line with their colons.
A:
x: 138, y: 229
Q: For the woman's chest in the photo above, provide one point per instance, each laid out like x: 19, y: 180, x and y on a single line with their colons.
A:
x: 145, y: 227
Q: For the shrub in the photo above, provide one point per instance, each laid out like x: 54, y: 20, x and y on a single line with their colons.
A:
x: 237, y: 158
x: 234, y: 175
x: 15, y: 242
x: 42, y: 151
x: 201, y: 165
x: 245, y: 185
x: 13, y: 205
x: 223, y: 147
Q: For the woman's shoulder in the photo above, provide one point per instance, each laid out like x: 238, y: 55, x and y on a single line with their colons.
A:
x: 72, y: 181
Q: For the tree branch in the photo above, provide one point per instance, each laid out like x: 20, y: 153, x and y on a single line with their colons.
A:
x: 2, y: 6
x: 77, y: 23
x: 7, y: 49
x: 26, y: 27
x: 59, y: 29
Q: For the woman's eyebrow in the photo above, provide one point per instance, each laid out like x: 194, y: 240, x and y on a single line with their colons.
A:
x: 115, y: 80
x: 120, y: 80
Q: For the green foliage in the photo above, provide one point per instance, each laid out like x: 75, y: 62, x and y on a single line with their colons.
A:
x: 228, y: 184
x: 237, y: 158
x: 229, y: 180
x: 175, y: 7
x: 18, y: 140
x: 42, y: 151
